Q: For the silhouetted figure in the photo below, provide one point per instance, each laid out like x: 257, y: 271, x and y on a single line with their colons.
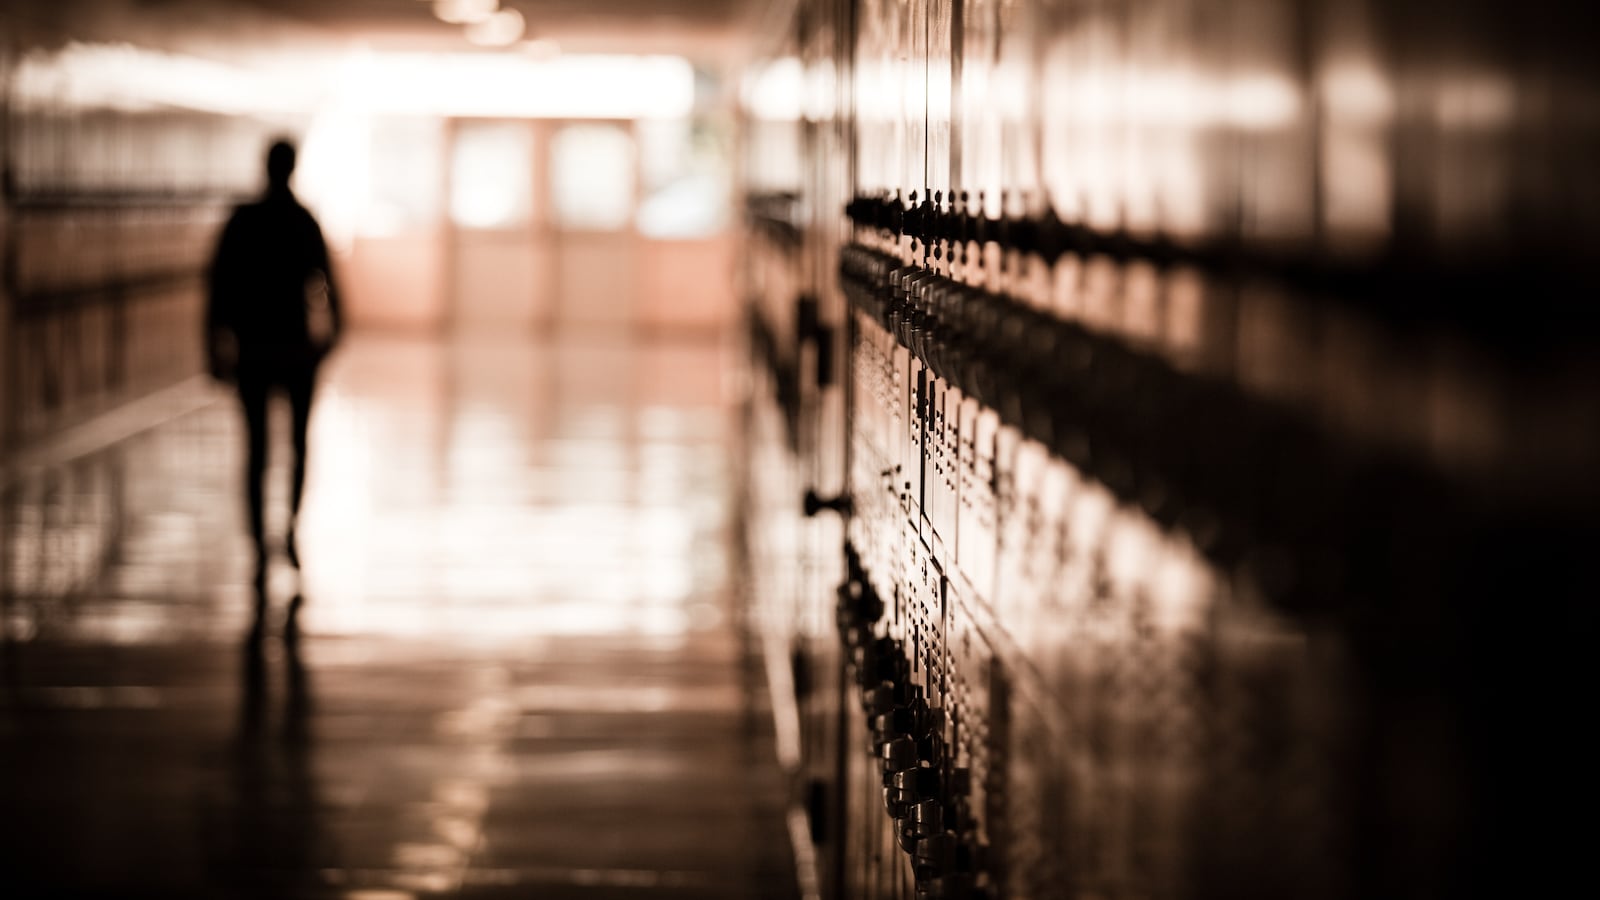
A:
x: 272, y: 316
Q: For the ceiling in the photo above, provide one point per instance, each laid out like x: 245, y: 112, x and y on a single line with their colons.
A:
x: 708, y: 31
x: 659, y: 25
x: 414, y: 18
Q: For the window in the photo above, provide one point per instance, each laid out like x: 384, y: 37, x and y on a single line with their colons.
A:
x: 592, y: 177
x: 491, y: 175
x: 685, y: 179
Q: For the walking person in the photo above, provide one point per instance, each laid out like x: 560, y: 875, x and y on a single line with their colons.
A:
x: 272, y: 316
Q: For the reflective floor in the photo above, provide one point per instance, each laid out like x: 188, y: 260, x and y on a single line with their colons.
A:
x: 519, y: 669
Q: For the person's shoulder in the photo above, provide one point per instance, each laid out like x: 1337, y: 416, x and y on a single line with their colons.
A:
x: 240, y: 220
x: 306, y: 217
x: 245, y: 211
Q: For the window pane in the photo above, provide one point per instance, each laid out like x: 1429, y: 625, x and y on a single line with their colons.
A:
x: 403, y: 162
x: 685, y: 179
x: 591, y: 177
x: 491, y: 175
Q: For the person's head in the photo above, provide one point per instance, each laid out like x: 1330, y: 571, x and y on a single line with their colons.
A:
x: 280, y: 164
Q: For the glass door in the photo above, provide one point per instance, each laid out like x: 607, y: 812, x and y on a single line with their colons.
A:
x: 593, y: 194
x: 499, y: 256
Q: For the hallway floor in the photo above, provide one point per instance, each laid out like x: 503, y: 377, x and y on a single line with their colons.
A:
x: 521, y: 670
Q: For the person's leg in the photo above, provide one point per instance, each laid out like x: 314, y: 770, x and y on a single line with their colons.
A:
x: 301, y: 385
x: 253, y: 398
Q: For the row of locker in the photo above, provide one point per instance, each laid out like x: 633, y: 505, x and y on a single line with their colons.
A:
x: 1335, y: 127
x: 109, y: 221
x: 1078, y: 663
x: 75, y: 250
x: 101, y: 199
x: 1091, y: 706
x: 1204, y: 385
x: 63, y: 153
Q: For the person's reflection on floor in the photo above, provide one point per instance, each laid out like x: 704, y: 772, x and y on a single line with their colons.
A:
x: 272, y: 316
x: 274, y: 844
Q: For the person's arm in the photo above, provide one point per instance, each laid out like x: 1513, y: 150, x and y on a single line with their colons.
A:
x: 221, y: 343
x: 335, y: 306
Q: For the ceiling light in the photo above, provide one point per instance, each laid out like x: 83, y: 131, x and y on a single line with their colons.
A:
x: 502, y: 29
x: 464, y: 12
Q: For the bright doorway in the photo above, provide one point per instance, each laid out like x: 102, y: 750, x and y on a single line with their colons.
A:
x: 498, y: 245
x: 592, y: 177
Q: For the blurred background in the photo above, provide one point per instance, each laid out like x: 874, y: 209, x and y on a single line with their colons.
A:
x: 826, y: 448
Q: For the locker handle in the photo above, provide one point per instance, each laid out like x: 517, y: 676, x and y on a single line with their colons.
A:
x: 815, y: 503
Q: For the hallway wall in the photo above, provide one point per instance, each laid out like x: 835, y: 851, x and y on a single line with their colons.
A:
x: 113, y: 198
x: 1156, y: 409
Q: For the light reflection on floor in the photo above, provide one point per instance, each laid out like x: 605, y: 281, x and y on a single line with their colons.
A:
x: 521, y: 674
x: 531, y: 499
